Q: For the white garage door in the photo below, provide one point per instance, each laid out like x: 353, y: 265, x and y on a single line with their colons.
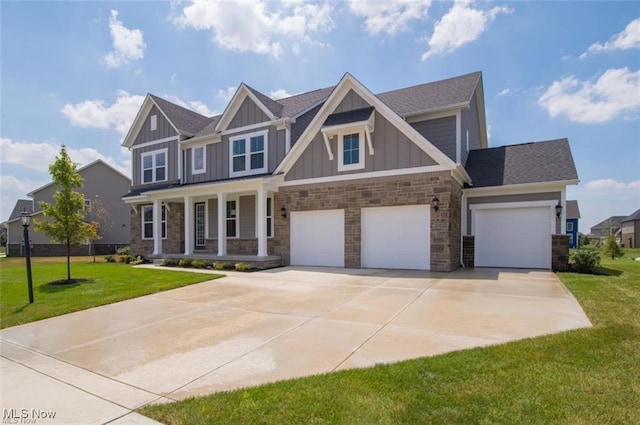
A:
x: 396, y: 237
x: 513, y: 237
x: 317, y: 238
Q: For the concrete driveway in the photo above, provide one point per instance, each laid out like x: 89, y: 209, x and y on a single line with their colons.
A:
x: 97, y: 365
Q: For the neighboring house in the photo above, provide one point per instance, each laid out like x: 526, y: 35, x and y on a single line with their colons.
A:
x: 610, y: 226
x: 573, y: 215
x: 344, y: 177
x: 102, y: 189
x: 630, y: 230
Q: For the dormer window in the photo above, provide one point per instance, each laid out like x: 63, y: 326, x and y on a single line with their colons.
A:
x: 248, y: 154
x: 352, y: 130
x: 154, y: 122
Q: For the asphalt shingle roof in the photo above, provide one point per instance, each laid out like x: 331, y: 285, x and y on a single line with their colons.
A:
x: 613, y: 221
x: 632, y: 217
x: 524, y: 163
x: 272, y: 105
x: 184, y: 119
x: 572, y: 209
x: 355, y: 115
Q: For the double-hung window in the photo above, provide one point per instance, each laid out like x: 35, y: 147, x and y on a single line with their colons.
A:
x: 198, y: 161
x: 248, y: 154
x: 154, y: 166
x: 232, y: 219
x: 147, y: 222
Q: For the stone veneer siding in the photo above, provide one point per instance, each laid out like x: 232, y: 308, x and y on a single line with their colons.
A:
x: 353, y: 195
x: 56, y: 250
x: 173, y: 244
x: 560, y: 253
x: 468, y: 251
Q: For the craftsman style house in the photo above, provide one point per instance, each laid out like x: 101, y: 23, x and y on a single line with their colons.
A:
x: 344, y: 177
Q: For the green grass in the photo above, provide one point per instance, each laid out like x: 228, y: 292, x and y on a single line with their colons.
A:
x: 586, y: 376
x: 106, y: 283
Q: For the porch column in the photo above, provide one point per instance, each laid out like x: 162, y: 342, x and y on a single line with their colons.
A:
x: 188, y: 225
x: 261, y: 213
x: 157, y: 227
x: 222, y: 224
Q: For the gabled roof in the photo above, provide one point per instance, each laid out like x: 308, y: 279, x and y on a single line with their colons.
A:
x: 432, y: 96
x: 613, y: 221
x: 295, y: 105
x: 21, y: 204
x: 355, y: 115
x: 572, y: 209
x: 183, y: 119
x: 633, y: 217
x: 539, y: 162
x: 272, y: 105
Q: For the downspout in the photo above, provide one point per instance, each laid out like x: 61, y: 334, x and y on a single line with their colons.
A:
x: 463, y: 225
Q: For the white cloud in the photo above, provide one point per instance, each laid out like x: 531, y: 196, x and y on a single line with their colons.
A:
x: 194, y: 105
x: 22, y: 154
x: 94, y: 113
x: 613, y: 95
x: 228, y: 93
x: 462, y: 24
x: 504, y: 92
x: 14, y: 188
x: 599, y: 199
x: 629, y: 38
x: 389, y: 16
x: 128, y: 44
x: 248, y: 25
x: 279, y: 94
x: 610, y: 184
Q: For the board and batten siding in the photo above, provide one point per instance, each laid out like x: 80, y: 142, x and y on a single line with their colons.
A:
x: 246, y: 213
x: 172, y: 161
x: 164, y: 128
x: 497, y: 199
x: 249, y: 113
x: 469, y: 122
x: 350, y: 102
x: 441, y: 132
x: 392, y: 150
x: 217, y: 156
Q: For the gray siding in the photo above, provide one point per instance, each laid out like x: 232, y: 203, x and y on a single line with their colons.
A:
x: 301, y: 124
x: 212, y: 218
x: 172, y: 160
x: 249, y: 113
x: 217, y: 154
x: 524, y: 197
x: 164, y: 129
x: 393, y: 150
x: 350, y: 102
x: 441, y: 132
x: 247, y: 215
x: 469, y: 122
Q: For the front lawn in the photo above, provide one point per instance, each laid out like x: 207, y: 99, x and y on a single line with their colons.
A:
x: 106, y: 283
x: 586, y: 376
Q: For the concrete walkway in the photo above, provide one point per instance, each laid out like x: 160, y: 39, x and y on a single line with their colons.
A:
x: 96, y: 366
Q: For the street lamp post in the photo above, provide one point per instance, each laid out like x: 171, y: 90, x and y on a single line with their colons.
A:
x: 26, y: 220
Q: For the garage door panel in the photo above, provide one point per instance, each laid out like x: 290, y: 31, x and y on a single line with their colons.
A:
x: 317, y: 238
x: 513, y: 237
x: 396, y: 237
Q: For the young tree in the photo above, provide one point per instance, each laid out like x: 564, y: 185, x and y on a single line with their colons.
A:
x: 64, y: 219
x: 611, y: 248
x: 99, y: 217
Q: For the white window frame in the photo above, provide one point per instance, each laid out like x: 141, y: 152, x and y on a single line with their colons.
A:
x: 195, y: 170
x: 247, y: 154
x: 236, y: 218
x: 154, y: 167
x: 569, y: 223
x: 164, y: 222
x: 153, y: 122
x: 361, y: 149
x: 195, y: 222
x: 570, y: 238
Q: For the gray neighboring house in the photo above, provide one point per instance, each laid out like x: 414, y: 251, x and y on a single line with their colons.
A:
x: 103, y: 186
x: 630, y: 230
x: 610, y: 226
x: 343, y: 177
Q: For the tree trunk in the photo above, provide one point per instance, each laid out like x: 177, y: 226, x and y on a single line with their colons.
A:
x: 68, y: 260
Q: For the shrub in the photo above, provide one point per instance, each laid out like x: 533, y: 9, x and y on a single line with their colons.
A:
x: 221, y: 265
x: 611, y: 248
x: 243, y: 267
x: 109, y: 259
x: 125, y: 250
x: 199, y: 264
x: 584, y: 260
x: 169, y: 262
x: 138, y: 260
x: 185, y: 262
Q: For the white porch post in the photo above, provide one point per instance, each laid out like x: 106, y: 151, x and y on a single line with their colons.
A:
x: 157, y: 227
x: 222, y: 224
x: 261, y: 213
x: 188, y: 225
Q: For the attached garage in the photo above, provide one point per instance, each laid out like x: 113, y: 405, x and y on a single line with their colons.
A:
x: 317, y: 238
x: 396, y: 237
x: 512, y: 235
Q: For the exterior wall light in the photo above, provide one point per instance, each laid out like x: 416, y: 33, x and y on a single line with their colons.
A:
x: 558, y: 210
x: 435, y: 203
x: 283, y: 210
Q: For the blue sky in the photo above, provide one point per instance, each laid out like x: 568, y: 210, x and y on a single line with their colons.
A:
x: 75, y: 73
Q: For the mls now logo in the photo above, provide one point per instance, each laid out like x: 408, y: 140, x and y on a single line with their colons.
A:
x: 26, y: 416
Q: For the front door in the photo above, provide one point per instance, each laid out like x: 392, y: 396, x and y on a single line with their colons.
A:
x: 200, y: 224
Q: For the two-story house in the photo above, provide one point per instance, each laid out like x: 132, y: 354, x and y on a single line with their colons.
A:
x: 102, y: 188
x: 343, y: 177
